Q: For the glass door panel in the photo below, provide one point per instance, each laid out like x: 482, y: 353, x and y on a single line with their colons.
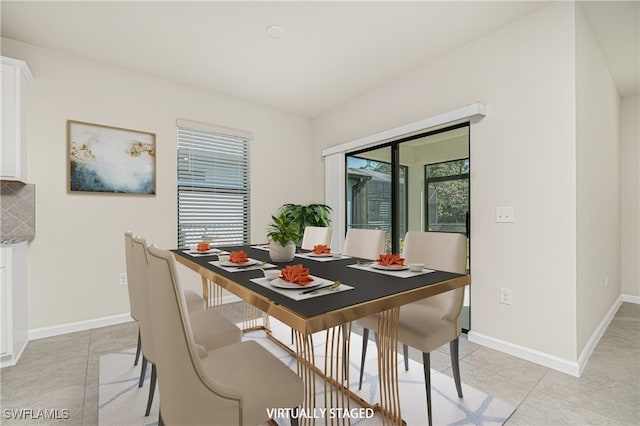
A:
x: 442, y: 155
x: 369, y: 191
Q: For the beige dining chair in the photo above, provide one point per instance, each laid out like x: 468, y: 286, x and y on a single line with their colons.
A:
x: 195, y: 302
x: 364, y: 243
x: 314, y: 235
x: 133, y: 299
x: 139, y: 280
x: 211, y: 329
x: 432, y: 322
x: 233, y: 385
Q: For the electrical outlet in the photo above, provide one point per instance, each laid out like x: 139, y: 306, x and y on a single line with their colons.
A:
x: 606, y: 280
x: 123, y: 278
x: 504, y: 215
x: 505, y: 296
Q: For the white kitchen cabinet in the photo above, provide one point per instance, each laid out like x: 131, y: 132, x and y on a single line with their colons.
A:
x: 13, y: 155
x: 14, y: 317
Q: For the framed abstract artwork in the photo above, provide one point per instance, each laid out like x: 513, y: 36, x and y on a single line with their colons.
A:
x: 105, y: 159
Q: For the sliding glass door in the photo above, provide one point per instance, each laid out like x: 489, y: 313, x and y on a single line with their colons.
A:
x: 419, y: 183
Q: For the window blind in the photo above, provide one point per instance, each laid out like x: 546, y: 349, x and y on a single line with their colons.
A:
x: 213, y: 188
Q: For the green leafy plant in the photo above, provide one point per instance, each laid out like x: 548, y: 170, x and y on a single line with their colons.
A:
x: 282, y: 229
x: 309, y: 215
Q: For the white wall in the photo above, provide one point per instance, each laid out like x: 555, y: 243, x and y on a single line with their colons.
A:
x: 598, y: 196
x: 630, y: 194
x: 523, y: 155
x: 78, y: 252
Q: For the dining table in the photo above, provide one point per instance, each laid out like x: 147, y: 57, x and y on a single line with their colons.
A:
x: 347, y: 289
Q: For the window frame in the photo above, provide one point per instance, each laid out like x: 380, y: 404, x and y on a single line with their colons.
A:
x: 223, y: 171
x: 460, y: 176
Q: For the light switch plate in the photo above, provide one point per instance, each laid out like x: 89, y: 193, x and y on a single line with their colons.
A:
x: 505, y: 296
x: 504, y: 215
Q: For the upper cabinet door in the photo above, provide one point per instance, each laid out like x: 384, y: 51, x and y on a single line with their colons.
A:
x: 13, y: 160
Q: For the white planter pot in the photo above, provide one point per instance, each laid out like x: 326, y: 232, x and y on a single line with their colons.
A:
x: 278, y: 253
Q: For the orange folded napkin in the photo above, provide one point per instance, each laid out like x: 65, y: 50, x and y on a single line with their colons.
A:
x: 296, y: 274
x: 203, y: 247
x: 238, y: 257
x: 321, y: 249
x: 390, y: 259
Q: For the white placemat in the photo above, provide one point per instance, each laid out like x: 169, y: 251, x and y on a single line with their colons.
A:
x: 261, y: 247
x: 321, y: 258
x: 211, y: 253
x: 405, y: 273
x: 295, y: 293
x: 258, y: 265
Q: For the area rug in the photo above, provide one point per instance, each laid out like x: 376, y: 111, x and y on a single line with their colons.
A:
x: 121, y: 402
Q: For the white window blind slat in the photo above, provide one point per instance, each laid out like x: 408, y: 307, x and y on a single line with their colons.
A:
x: 213, y: 187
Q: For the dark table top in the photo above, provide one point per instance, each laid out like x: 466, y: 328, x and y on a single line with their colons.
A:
x: 372, y: 292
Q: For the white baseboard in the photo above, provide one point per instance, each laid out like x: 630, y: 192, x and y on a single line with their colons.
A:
x: 597, y: 334
x: 542, y: 358
x: 56, y: 330
x: 631, y: 299
x: 551, y: 361
x: 9, y: 360
x: 573, y: 368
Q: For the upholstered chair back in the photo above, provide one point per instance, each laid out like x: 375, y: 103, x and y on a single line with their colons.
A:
x: 364, y: 243
x: 143, y: 285
x: 128, y: 254
x: 314, y: 235
x: 442, y: 251
x: 187, y: 396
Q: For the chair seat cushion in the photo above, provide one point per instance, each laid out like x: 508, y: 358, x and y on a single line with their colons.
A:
x: 262, y: 379
x: 212, y: 330
x: 420, y: 327
x: 195, y: 302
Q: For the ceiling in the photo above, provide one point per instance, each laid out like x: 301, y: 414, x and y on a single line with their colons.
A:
x: 328, y: 51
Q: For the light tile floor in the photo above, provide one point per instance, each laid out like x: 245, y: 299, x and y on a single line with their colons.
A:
x: 62, y: 372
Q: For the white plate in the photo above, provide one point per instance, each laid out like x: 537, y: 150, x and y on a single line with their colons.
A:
x: 250, y: 262
x: 280, y: 283
x: 210, y: 251
x: 312, y: 254
x: 390, y: 267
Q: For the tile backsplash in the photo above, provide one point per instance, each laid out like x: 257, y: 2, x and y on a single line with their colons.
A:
x: 18, y: 211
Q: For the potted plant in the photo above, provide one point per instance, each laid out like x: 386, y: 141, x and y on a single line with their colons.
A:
x: 282, y: 233
x: 309, y: 215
